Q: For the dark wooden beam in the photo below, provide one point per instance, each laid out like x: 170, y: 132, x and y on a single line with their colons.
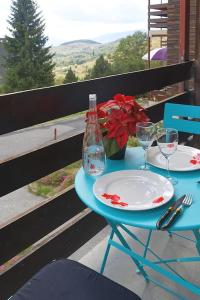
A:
x: 149, y: 38
x: 197, y: 55
x: 162, y: 6
x: 25, y: 169
x: 197, y: 67
x: 184, y: 36
x: 158, y: 21
x: 184, y: 30
x: 158, y: 13
x: 159, y: 25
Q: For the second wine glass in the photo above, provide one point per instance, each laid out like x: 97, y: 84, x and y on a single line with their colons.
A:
x: 145, y: 132
x: 167, y: 140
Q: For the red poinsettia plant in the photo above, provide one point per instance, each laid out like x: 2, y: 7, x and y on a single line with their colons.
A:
x: 118, y: 118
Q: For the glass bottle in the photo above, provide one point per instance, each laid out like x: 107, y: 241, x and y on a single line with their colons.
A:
x: 93, y: 150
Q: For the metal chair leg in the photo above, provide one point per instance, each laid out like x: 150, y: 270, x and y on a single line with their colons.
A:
x: 197, y: 236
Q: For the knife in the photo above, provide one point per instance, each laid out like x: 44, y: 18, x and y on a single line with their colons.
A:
x: 170, y: 210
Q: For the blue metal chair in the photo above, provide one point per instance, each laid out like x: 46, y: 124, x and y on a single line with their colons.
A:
x: 184, y: 118
x: 173, y: 114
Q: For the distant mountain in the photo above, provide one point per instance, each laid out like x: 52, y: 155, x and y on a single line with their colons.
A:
x: 76, y: 52
x: 110, y: 37
x: 88, y: 42
x: 102, y: 39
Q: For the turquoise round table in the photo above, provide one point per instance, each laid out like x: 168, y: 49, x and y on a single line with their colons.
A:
x: 144, y: 219
x: 189, y: 220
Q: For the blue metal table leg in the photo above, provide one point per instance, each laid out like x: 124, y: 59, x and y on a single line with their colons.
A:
x: 164, y: 261
x: 169, y: 232
x: 106, y: 252
x: 141, y: 261
x: 147, y: 243
x: 126, y: 245
x: 186, y: 284
x: 197, y: 236
x: 146, y: 246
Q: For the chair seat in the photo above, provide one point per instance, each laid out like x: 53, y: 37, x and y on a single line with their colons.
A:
x: 69, y: 280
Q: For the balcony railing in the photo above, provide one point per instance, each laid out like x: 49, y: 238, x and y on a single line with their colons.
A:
x: 64, y: 218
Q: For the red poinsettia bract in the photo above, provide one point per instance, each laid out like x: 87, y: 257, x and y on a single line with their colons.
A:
x: 118, y: 118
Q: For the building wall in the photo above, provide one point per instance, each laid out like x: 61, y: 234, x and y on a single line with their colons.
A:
x: 192, y: 28
x: 173, y: 30
x: 173, y: 36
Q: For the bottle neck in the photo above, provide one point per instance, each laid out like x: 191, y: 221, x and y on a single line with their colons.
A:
x: 92, y: 113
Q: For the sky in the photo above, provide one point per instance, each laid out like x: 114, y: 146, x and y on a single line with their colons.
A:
x: 68, y: 20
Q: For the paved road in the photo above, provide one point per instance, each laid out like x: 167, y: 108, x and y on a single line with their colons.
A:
x: 17, y: 202
x: 17, y: 143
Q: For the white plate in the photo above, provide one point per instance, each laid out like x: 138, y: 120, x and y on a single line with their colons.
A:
x: 139, y: 190
x: 184, y: 159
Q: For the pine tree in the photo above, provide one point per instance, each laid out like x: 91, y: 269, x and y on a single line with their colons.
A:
x: 70, y: 77
x: 28, y: 62
x: 101, y: 68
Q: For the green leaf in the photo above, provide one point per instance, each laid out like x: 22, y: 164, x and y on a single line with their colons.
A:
x: 110, y: 146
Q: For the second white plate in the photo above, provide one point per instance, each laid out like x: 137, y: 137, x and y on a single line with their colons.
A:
x: 184, y: 159
x: 133, y: 190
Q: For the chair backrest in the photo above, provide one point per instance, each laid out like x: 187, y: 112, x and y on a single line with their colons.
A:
x: 184, y: 118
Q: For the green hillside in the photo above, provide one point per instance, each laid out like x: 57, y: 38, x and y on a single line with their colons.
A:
x: 80, y: 55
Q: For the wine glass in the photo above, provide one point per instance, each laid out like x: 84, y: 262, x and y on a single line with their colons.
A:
x: 167, y: 140
x: 145, y: 133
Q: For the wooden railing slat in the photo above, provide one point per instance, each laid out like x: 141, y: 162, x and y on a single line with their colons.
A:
x: 28, y: 229
x: 24, y: 109
x: 27, y: 168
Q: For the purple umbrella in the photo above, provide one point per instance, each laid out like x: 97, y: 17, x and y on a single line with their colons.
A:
x: 157, y: 54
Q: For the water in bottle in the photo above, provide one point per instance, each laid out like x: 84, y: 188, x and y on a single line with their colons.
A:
x: 93, y: 149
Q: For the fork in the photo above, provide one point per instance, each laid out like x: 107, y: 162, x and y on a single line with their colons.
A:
x: 186, y: 203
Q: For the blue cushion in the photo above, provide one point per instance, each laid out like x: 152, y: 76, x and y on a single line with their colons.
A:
x: 69, y: 280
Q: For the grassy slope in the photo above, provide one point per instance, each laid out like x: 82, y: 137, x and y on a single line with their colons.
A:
x: 79, y: 56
